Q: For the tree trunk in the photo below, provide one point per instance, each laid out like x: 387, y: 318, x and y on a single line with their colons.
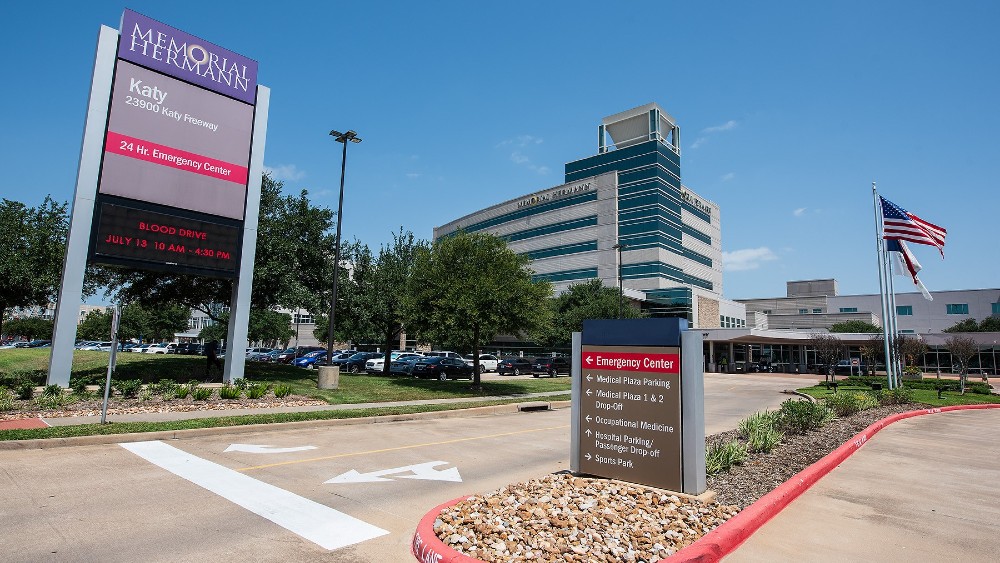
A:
x: 389, y: 333
x: 961, y: 380
x: 476, y: 382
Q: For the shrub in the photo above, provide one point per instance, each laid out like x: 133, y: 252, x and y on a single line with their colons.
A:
x: 145, y: 395
x: 201, y: 393
x: 166, y: 388
x: 764, y: 439
x: 898, y: 396
x: 756, y: 422
x: 721, y: 457
x: 129, y: 388
x: 6, y: 399
x: 242, y: 383
x: 228, y: 391
x: 182, y: 391
x: 25, y: 390
x: 54, y: 390
x: 911, y: 370
x: 51, y: 401
x: 799, y: 417
x: 846, y: 404
x: 282, y: 390
x: 79, y: 386
x: 257, y: 390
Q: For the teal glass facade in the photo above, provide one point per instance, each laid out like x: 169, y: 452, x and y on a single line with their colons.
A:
x: 650, y: 201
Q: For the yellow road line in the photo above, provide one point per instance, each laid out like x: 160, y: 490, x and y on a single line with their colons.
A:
x: 455, y: 441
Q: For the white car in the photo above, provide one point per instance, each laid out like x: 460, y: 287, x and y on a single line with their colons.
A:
x: 98, y: 347
x: 157, y: 349
x: 487, y: 362
x: 376, y: 365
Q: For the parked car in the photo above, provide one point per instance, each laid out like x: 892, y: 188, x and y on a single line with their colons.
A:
x: 404, y: 365
x: 310, y: 359
x: 260, y: 355
x: 34, y: 344
x: 550, y: 366
x: 355, y: 363
x: 443, y: 354
x: 442, y: 368
x: 98, y: 347
x: 139, y: 348
x: 377, y: 364
x: 157, y: 349
x: 844, y: 367
x: 289, y: 355
x: 513, y: 366
x: 487, y: 362
x: 191, y: 348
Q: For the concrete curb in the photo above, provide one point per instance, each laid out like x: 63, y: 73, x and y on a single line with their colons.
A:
x: 722, y: 541
x: 48, y: 443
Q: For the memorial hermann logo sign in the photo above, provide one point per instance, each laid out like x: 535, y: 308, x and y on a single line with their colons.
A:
x: 171, y: 51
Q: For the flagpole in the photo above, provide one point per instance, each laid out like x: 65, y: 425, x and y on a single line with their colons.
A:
x: 894, y: 323
x: 879, y: 253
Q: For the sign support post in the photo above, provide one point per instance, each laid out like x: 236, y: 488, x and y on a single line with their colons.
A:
x: 67, y: 315
x: 239, y: 316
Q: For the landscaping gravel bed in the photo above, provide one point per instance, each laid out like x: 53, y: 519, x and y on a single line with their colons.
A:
x: 119, y: 406
x: 565, y: 518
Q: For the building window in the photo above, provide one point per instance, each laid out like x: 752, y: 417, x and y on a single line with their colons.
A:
x: 803, y: 311
x: 906, y: 332
x: 304, y: 318
x: 905, y: 310
x: 766, y: 311
x: 848, y: 309
x: 996, y: 308
x: 958, y: 308
x: 817, y: 310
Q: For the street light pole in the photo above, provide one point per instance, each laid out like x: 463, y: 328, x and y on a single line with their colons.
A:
x: 351, y: 136
x: 621, y: 290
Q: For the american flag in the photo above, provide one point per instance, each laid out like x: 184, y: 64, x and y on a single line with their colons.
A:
x: 898, y: 224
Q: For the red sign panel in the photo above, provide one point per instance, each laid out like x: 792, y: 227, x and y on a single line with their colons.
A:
x: 626, y: 361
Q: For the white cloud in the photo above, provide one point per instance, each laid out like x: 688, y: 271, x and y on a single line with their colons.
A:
x: 413, y: 174
x: 747, y: 259
x: 521, y: 141
x: 728, y: 176
x: 284, y: 172
x: 727, y: 126
x: 703, y: 138
x: 522, y: 144
x: 799, y: 212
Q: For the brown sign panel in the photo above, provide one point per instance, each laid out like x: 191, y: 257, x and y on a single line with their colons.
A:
x: 630, y: 427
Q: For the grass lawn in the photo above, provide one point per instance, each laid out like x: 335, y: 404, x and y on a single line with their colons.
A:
x: 353, y: 388
x: 925, y: 396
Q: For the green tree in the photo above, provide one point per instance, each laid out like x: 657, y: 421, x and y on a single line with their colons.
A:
x: 270, y: 327
x: 856, y: 326
x: 354, y: 321
x: 32, y: 258
x: 383, y: 297
x: 293, y: 251
x: 467, y: 288
x: 32, y: 328
x: 588, y: 300
x: 910, y: 348
x: 964, y: 325
x: 95, y: 326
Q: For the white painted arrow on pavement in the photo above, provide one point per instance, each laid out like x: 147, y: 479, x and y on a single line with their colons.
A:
x: 424, y: 471
x: 255, y: 449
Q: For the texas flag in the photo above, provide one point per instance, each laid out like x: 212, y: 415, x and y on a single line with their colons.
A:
x: 905, y: 263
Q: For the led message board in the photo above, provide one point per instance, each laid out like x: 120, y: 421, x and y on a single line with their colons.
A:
x: 128, y: 234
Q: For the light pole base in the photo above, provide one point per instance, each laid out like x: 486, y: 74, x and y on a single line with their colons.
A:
x: 329, y: 377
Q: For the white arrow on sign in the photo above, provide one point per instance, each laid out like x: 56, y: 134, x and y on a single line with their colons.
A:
x: 424, y: 471
x: 255, y: 449
x: 588, y: 432
x: 587, y: 418
x: 588, y: 392
x: 587, y: 456
x: 590, y: 359
x: 589, y: 378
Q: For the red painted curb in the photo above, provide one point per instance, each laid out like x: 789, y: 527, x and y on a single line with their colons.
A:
x: 428, y: 548
x: 723, y: 540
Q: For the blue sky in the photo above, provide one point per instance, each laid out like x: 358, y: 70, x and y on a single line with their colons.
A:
x: 788, y: 112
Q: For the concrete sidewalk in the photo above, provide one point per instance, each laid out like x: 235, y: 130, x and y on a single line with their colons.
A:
x: 922, y: 489
x: 178, y: 415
